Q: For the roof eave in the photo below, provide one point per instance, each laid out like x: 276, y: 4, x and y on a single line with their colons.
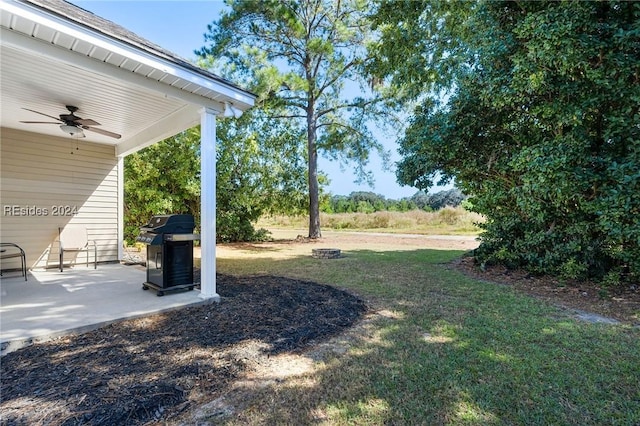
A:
x: 206, y: 84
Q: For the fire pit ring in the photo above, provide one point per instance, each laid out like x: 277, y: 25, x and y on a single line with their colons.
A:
x: 326, y: 253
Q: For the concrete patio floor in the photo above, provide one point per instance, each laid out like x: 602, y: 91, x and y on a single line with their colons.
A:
x: 53, y: 303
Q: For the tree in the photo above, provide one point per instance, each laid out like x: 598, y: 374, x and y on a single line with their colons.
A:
x: 450, y: 197
x: 160, y: 179
x: 421, y: 200
x: 422, y: 45
x: 541, y: 127
x: 301, y: 55
x: 259, y: 170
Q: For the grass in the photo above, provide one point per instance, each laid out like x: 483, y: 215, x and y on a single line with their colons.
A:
x: 446, y: 221
x: 441, y: 348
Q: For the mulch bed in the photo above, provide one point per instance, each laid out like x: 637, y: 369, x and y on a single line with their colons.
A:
x: 150, y: 369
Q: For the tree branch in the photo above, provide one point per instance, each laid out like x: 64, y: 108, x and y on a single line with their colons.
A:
x: 337, y: 76
x: 362, y: 105
x: 288, y: 116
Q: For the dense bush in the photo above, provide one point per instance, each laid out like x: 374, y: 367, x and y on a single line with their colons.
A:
x: 162, y: 179
x: 543, y: 129
x: 258, y: 171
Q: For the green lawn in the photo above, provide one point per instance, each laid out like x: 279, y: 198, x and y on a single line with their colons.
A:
x: 440, y: 348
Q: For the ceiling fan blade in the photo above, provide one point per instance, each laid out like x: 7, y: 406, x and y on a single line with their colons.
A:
x: 40, y: 122
x: 42, y: 113
x: 102, y: 132
x: 86, y: 122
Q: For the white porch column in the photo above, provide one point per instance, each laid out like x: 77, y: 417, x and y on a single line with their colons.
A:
x: 120, y: 207
x: 208, y: 204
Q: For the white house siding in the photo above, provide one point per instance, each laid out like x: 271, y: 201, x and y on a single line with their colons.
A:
x: 43, y: 179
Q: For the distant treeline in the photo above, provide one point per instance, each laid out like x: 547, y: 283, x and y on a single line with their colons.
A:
x: 369, y: 202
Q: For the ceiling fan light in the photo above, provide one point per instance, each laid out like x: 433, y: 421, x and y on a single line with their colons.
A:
x: 72, y: 130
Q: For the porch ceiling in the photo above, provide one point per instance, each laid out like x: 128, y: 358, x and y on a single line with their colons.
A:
x: 139, y: 91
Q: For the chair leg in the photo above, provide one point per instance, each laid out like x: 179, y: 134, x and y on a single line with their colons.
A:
x: 61, y: 257
x: 95, y: 256
x: 24, y: 266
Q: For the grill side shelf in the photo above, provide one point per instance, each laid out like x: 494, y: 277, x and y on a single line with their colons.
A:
x: 181, y: 237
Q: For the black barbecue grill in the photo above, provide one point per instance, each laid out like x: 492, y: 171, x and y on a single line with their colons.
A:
x: 169, y: 240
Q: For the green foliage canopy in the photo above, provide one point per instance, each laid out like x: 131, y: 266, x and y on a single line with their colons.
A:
x: 369, y: 202
x: 259, y: 170
x: 542, y: 127
x: 163, y: 178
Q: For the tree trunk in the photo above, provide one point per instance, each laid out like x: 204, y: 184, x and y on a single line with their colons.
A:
x: 314, y: 191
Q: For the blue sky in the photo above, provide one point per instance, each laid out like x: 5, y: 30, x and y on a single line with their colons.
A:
x: 179, y: 27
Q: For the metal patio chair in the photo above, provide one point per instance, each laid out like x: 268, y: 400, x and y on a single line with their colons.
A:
x: 11, y: 250
x: 74, y: 238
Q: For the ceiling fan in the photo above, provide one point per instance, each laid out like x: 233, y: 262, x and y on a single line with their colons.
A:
x: 72, y: 124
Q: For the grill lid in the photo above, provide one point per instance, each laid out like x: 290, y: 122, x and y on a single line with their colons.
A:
x: 170, y: 224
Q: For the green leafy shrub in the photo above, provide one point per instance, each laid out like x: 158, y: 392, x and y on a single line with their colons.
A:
x: 258, y: 171
x: 541, y: 129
